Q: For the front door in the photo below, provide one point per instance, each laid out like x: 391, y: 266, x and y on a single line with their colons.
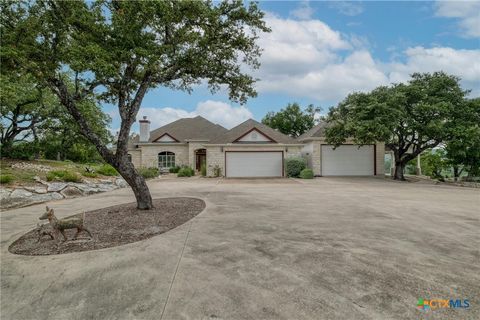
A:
x: 200, y: 158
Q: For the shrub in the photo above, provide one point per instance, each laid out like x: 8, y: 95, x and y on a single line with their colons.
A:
x: 6, y: 178
x: 107, y: 170
x: 217, y: 171
x: 294, y: 166
x: 185, y: 172
x: 306, y: 174
x: 149, y: 173
x: 203, y: 170
x: 174, y: 169
x: 63, y: 175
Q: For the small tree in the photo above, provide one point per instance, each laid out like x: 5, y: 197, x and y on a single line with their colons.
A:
x: 292, y: 120
x: 115, y: 51
x: 410, y: 118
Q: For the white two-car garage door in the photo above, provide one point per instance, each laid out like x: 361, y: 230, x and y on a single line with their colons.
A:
x: 244, y: 164
x: 348, y: 160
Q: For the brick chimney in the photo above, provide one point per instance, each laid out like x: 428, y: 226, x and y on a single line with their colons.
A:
x: 144, y: 129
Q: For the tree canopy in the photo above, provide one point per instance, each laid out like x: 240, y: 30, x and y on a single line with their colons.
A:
x: 115, y: 51
x: 292, y: 120
x: 412, y: 117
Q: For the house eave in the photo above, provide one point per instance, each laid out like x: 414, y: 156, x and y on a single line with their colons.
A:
x: 254, y: 144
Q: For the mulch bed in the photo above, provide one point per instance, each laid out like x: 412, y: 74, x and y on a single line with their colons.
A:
x: 113, y: 226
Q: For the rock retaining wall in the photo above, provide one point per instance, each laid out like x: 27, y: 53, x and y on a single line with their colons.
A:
x: 45, y: 191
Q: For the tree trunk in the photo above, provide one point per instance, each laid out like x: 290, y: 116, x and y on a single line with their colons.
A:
x: 136, y: 182
x: 456, y: 173
x: 399, y: 168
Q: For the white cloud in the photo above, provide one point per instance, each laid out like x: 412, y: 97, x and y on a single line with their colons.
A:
x: 307, y: 59
x: 468, y: 12
x: 357, y: 72
x: 462, y: 63
x: 215, y: 111
x: 347, y: 8
x: 303, y: 12
x: 294, y: 47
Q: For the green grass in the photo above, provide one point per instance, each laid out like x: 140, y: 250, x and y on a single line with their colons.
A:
x: 63, y: 175
x: 76, y: 171
x: 107, y: 170
x: 6, y: 179
x: 89, y: 174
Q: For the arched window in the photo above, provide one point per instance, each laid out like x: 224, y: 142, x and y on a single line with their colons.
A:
x: 129, y: 157
x: 166, y: 159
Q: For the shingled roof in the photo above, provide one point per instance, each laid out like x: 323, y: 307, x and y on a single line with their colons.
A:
x: 316, y: 132
x: 197, y: 128
x: 233, y: 134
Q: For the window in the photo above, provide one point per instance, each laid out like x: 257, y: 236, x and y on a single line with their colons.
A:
x: 129, y: 157
x: 166, y: 159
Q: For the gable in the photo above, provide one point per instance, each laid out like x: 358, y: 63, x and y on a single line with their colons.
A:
x: 166, y: 138
x: 254, y: 135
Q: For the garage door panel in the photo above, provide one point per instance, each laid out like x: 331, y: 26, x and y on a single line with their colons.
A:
x: 348, y: 160
x: 254, y: 164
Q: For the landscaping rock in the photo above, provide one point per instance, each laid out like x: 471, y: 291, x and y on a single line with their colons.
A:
x: 56, y: 186
x: 5, y: 193
x: 106, y: 187
x: 88, y: 188
x: 38, y: 198
x: 121, y: 183
x: 20, y: 193
x: 36, y: 189
x: 71, y: 192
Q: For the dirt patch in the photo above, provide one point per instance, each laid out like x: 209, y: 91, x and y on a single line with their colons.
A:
x: 114, y: 226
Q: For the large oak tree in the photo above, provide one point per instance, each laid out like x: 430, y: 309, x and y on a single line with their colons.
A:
x: 116, y: 51
x: 427, y: 110
x: 292, y: 120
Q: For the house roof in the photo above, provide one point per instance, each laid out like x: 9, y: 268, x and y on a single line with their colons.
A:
x: 197, y: 128
x: 317, y: 131
x: 245, y: 127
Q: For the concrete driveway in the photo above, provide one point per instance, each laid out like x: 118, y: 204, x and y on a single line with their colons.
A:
x: 329, y: 248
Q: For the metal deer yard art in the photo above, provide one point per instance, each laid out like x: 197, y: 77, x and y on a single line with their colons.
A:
x: 60, y: 225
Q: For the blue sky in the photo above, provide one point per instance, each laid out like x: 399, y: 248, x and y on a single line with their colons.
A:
x: 320, y: 51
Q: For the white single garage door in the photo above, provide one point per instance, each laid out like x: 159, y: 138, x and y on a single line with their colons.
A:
x: 246, y: 164
x: 348, y: 160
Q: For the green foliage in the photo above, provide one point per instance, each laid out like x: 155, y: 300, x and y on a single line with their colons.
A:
x: 463, y: 150
x: 107, y: 170
x: 293, y: 166
x: 149, y: 173
x: 89, y: 174
x: 433, y: 162
x: 306, y: 174
x: 292, y: 120
x: 186, y: 172
x: 174, y: 169
x: 417, y: 116
x: 113, y: 52
x: 6, y: 179
x: 63, y: 175
x: 203, y: 170
x: 217, y: 171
